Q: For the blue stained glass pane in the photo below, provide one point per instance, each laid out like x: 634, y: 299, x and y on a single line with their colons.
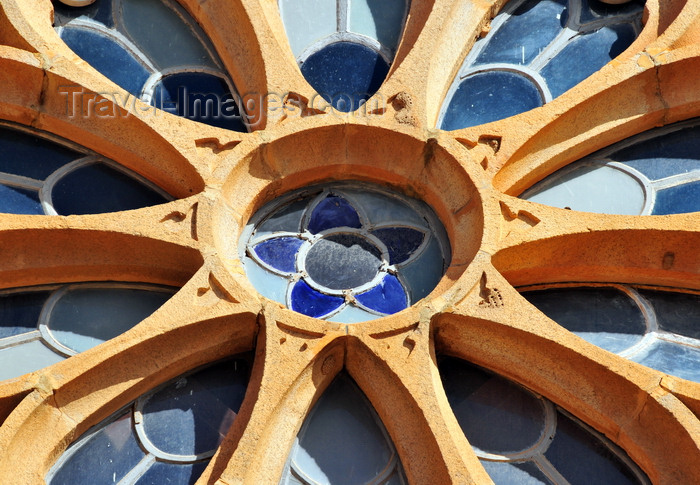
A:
x: 98, y: 188
x: 489, y: 96
x: 192, y: 415
x: 387, y: 297
x: 678, y: 199
x: 401, y: 242
x: 310, y: 302
x: 333, y: 211
x: 200, y: 97
x: 604, y: 316
x: 105, y: 458
x: 422, y: 274
x: 676, y: 312
x: 496, y: 415
x: 31, y: 156
x: 585, y: 55
x: 14, y: 200
x: 583, y: 459
x: 345, y: 74
x: 280, y: 252
x: 503, y: 473
x: 108, y: 57
x: 100, y: 11
x: 672, y: 358
x: 161, y: 473
x: 19, y: 312
x: 595, y: 9
x: 530, y: 28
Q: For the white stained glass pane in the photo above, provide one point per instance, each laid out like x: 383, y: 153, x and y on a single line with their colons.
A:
x: 24, y: 358
x: 598, y: 189
x: 307, y: 21
x: 268, y: 284
x: 379, y: 19
x: 672, y: 358
x: 352, y: 314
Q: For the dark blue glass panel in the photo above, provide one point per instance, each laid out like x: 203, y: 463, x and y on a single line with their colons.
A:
x: 603, y: 316
x: 333, y: 211
x: 310, y: 302
x: 345, y: 74
x: 676, y: 312
x: 192, y: 415
x: 100, y: 11
x: 490, y: 96
x: 585, y: 55
x: 595, y: 9
x: 387, y: 297
x: 105, y: 458
x: 19, y: 312
x: 531, y: 27
x: 31, y: 156
x: 678, y: 200
x: 401, y: 242
x: 98, y: 188
x: 496, y: 415
x: 515, y: 473
x: 584, y: 459
x: 162, y: 473
x: 14, y: 200
x: 108, y: 57
x: 280, y: 252
x: 200, y: 97
x: 343, y: 261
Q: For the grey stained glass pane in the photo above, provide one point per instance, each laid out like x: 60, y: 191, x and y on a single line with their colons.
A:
x: 678, y: 200
x: 98, y: 188
x: 342, y: 440
x: 672, y: 358
x: 583, y: 459
x: 19, y: 312
x: 307, y: 21
x: 342, y: 261
x: 352, y: 314
x: 269, y: 285
x: 503, y: 473
x: 163, y: 35
x: 489, y: 96
x: 287, y: 218
x: 104, y: 458
x: 14, y: 200
x: 382, y: 209
x: 24, y: 358
x: 379, y: 19
x: 192, y: 415
x: 676, y: 312
x: 423, y: 274
x: 161, y: 473
x: 585, y: 55
x: 495, y: 415
x: 100, y: 11
x: 590, y: 188
x: 530, y: 28
x: 85, y: 317
x: 31, y: 156
x: 605, y: 317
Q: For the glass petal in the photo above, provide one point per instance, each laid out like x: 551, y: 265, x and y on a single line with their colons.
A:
x: 490, y: 96
x: 307, y: 21
x: 387, y: 297
x: 199, y: 96
x: 345, y: 74
x: 280, y: 252
x: 24, y: 358
x: 19, y: 312
x: 496, y: 415
x: 400, y: 241
x: 678, y: 199
x: 590, y: 188
x: 14, y: 200
x: 422, y: 274
x: 31, y: 156
x: 105, y: 457
x: 85, y: 317
x: 268, y: 284
x: 108, y: 57
x: 98, y: 188
x: 343, y: 261
x: 352, y: 314
x: 331, y: 212
x: 193, y: 414
x: 310, y: 302
x: 382, y: 209
x: 162, y: 473
x: 381, y: 20
x: 605, y: 317
x: 342, y: 440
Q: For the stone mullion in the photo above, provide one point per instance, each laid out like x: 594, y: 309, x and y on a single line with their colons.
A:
x: 493, y: 326
x: 69, y: 397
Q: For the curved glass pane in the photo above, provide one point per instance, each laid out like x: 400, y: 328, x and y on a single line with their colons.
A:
x: 345, y: 252
x: 150, y: 40
x: 655, y: 172
x: 518, y: 436
x: 544, y: 40
x: 184, y: 415
x: 342, y: 441
x: 378, y: 19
